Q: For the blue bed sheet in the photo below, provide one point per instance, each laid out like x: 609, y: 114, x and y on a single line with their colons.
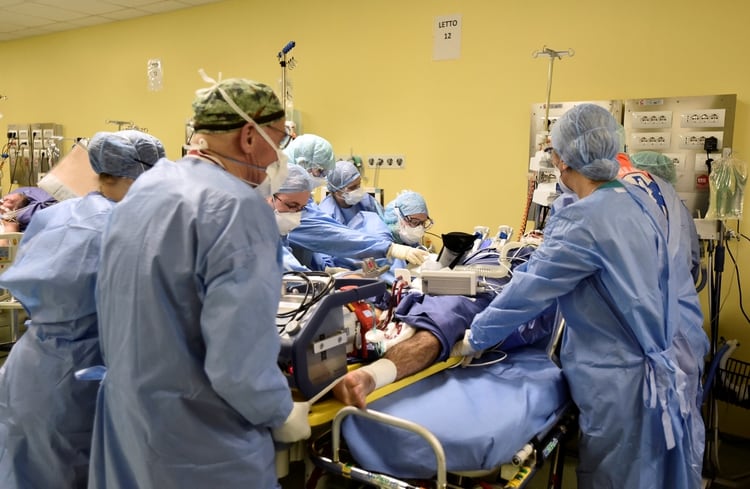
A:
x: 481, y: 415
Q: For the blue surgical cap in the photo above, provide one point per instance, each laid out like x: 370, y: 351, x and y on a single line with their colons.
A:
x: 297, y: 180
x: 124, y: 153
x: 586, y: 138
x: 656, y: 164
x: 342, y: 175
x: 310, y: 151
x: 408, y: 203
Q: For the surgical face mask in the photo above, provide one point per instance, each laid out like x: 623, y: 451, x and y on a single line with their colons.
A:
x: 286, y: 221
x: 558, y: 175
x: 354, y: 197
x: 410, y: 235
x: 276, y: 173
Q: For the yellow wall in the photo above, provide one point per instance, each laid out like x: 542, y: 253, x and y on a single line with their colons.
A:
x: 365, y: 80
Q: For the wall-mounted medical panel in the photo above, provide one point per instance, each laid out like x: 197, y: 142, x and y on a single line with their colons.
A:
x: 679, y: 127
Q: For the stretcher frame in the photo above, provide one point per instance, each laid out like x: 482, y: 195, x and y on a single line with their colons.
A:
x: 327, y: 454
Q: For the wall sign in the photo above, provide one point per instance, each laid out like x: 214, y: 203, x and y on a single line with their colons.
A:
x: 447, y: 37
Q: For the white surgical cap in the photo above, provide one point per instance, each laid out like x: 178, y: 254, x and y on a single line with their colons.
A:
x: 586, y: 138
x: 342, y: 175
x: 297, y: 180
x: 124, y: 153
x: 310, y: 151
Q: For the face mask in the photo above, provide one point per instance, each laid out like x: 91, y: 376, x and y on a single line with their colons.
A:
x: 286, y: 221
x: 354, y: 197
x: 276, y: 173
x: 564, y: 188
x: 410, y: 235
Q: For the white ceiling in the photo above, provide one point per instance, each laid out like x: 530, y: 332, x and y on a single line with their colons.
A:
x: 26, y: 18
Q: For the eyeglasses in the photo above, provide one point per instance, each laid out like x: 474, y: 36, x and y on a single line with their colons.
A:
x: 412, y: 222
x: 285, y: 140
x: 290, y: 205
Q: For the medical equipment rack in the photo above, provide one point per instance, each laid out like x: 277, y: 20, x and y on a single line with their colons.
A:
x: 326, y: 453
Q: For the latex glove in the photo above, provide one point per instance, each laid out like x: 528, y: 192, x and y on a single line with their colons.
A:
x: 463, y: 348
x: 296, y: 427
x: 415, y: 256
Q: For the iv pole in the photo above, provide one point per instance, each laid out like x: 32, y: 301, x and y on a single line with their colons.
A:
x: 552, y: 55
x: 285, y: 96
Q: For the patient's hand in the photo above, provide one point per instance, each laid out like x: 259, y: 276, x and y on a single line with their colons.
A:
x: 355, y: 387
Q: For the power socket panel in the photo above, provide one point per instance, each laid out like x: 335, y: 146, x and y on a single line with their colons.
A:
x: 390, y: 162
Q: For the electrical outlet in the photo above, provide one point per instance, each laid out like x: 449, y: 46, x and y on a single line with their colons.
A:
x: 653, y: 141
x: 695, y: 140
x: 386, y: 161
x: 652, y: 119
x: 703, y: 118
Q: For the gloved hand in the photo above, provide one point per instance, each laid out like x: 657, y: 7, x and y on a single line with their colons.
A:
x: 296, y: 427
x: 415, y: 256
x: 463, y: 348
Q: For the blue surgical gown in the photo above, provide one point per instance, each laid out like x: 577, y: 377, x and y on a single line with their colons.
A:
x: 344, y: 215
x: 187, y: 294
x: 46, y: 415
x: 320, y: 233
x: 605, y: 260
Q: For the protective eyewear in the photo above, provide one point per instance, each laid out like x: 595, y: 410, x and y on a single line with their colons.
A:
x: 284, y: 140
x: 289, y: 205
x: 414, y: 222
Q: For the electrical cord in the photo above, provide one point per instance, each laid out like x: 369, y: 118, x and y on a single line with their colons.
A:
x: 310, y: 298
x: 739, y: 286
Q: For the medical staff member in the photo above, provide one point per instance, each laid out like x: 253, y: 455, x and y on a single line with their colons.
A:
x: 605, y: 261
x: 408, y: 218
x: 46, y: 415
x: 187, y: 292
x: 661, y: 166
x: 319, y: 234
x: 346, y: 198
x: 288, y: 203
x: 348, y: 203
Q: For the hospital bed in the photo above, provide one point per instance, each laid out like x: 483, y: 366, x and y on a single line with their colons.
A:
x: 497, y: 423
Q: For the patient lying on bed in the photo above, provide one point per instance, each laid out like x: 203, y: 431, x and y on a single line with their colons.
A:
x: 440, y: 321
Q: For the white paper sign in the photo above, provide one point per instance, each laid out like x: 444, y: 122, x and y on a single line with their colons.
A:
x: 447, y: 35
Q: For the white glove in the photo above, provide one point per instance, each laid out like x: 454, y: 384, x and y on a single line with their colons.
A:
x: 415, y: 256
x: 463, y: 348
x: 296, y: 427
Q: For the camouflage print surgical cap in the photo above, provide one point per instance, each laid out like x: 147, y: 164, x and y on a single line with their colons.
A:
x: 211, y: 113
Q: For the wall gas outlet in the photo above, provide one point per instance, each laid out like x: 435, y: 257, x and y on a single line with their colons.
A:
x: 386, y: 161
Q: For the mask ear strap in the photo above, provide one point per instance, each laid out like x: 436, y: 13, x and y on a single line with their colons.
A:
x: 242, y: 114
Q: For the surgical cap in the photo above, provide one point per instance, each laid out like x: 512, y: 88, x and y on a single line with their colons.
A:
x: 297, y: 180
x: 211, y: 113
x: 311, y: 151
x: 586, y: 138
x: 342, y: 175
x: 656, y: 164
x: 408, y: 203
x: 124, y: 153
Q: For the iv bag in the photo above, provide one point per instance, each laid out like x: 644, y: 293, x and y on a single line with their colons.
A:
x: 727, y: 188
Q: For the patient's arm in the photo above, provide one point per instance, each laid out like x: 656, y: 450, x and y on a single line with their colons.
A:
x: 410, y: 356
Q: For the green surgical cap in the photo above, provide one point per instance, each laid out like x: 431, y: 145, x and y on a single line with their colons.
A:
x: 211, y: 113
x: 656, y: 164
